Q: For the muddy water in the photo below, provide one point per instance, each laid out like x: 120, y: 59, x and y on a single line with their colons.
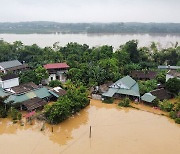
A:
x: 114, y: 131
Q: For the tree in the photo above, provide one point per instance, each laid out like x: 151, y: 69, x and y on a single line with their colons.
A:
x: 75, y: 100
x: 29, y: 76
x: 161, y: 77
x: 147, y: 86
x: 131, y: 48
x: 173, y: 85
x: 41, y: 73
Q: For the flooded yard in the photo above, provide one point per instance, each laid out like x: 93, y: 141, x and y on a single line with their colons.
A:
x: 114, y: 130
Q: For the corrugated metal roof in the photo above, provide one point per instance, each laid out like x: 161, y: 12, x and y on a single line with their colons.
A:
x: 130, y: 87
x: 110, y: 92
x: 41, y: 93
x: 9, y: 64
x: 148, y: 97
x: 168, y: 67
x: 56, y: 66
x: 125, y: 83
x: 2, y: 93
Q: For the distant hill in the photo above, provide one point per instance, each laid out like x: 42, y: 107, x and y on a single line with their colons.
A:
x: 55, y: 27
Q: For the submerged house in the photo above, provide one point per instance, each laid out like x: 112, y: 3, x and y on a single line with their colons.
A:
x: 56, y: 71
x: 35, y: 95
x: 125, y: 86
x: 13, y: 66
x: 160, y: 94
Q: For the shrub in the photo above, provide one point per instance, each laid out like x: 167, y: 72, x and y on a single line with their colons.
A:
x: 15, y: 114
x: 108, y: 100
x: 173, y: 115
x: 125, y: 103
x: 55, y: 83
x: 177, y: 120
x: 166, y: 106
x: 3, y: 112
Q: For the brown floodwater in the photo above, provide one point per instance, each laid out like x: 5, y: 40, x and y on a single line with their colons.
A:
x: 114, y: 131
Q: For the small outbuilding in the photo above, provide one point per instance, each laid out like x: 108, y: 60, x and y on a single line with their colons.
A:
x: 148, y: 97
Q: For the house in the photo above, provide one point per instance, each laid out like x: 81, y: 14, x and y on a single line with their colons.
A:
x: 148, y: 97
x: 172, y: 74
x: 125, y: 86
x: 12, y: 66
x: 59, y: 91
x: 34, y: 103
x: 161, y: 94
x: 143, y: 75
x: 56, y: 71
x: 161, y: 67
x: 35, y: 95
x: 9, y: 80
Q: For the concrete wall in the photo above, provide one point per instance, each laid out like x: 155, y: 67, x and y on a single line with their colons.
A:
x: 10, y: 83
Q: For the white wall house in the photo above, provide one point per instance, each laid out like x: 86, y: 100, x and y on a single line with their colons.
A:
x: 8, y: 81
x: 56, y: 71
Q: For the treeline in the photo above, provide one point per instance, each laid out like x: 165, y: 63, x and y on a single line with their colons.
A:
x: 55, y: 27
x: 90, y: 66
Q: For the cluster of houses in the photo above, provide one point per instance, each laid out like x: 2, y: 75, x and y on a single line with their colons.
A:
x: 29, y: 96
x: 127, y: 86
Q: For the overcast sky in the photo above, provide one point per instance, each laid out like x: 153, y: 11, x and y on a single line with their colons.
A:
x: 90, y: 10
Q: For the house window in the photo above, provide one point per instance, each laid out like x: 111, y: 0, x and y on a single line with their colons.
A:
x: 57, y: 77
x: 51, y: 78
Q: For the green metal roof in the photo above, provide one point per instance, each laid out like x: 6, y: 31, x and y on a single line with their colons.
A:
x: 53, y: 93
x: 41, y: 93
x: 2, y: 93
x: 148, y: 97
x: 110, y: 92
x: 124, y: 83
x: 126, y: 86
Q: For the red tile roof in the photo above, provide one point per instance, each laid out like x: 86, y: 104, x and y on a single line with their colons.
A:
x: 56, y: 65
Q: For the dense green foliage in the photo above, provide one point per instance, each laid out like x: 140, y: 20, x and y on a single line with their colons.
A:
x: 161, y: 77
x: 15, y: 114
x: 75, y: 100
x: 173, y: 85
x: 166, y: 105
x: 108, y: 100
x: 55, y: 83
x: 125, y: 102
x: 147, y: 86
x: 91, y: 66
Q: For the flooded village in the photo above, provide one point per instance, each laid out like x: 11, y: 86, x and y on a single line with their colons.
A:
x: 118, y: 118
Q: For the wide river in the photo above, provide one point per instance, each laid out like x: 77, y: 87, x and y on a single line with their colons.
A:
x: 114, y: 131
x: 115, y: 40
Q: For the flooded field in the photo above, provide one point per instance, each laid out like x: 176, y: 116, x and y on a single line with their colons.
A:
x: 114, y: 131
